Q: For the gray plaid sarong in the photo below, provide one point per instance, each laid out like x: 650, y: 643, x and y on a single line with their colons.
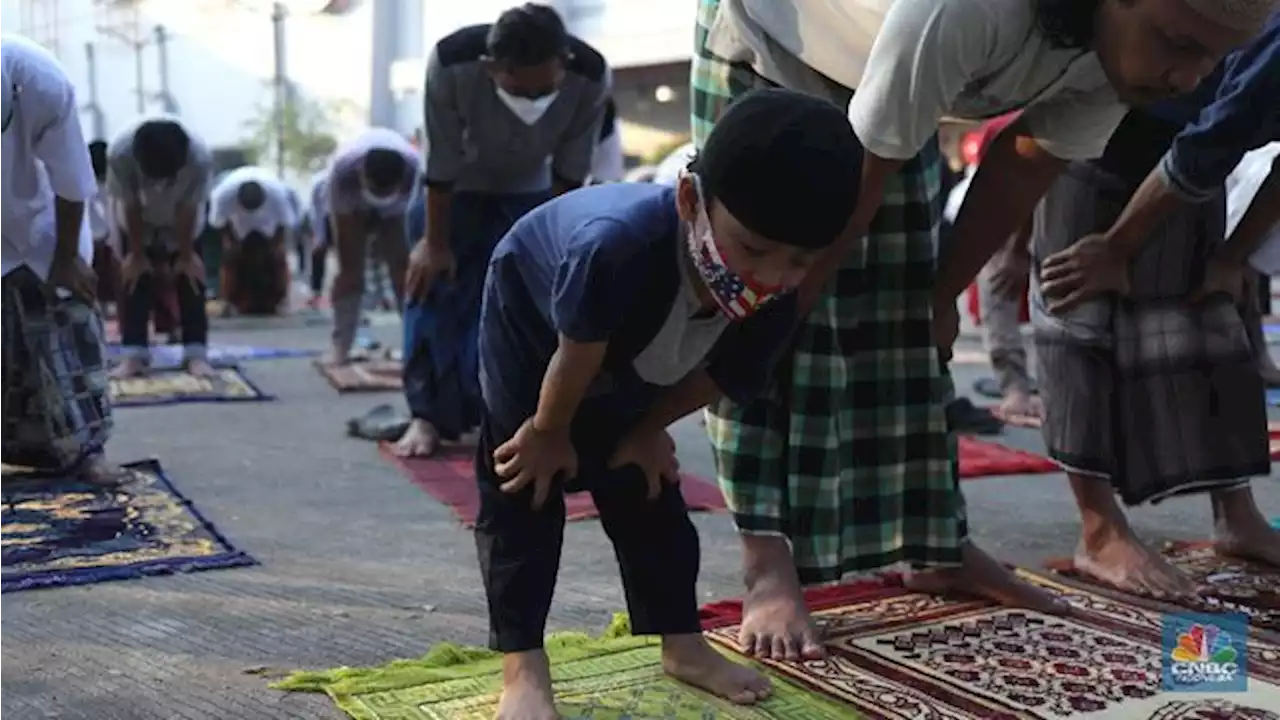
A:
x: 1159, y: 396
x: 56, y: 410
x: 849, y: 455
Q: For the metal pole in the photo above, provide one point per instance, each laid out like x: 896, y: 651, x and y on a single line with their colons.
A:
x: 95, y: 106
x: 138, y: 76
x: 162, y: 65
x: 280, y: 82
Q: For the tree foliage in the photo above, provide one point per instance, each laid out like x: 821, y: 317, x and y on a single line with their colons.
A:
x: 306, y: 130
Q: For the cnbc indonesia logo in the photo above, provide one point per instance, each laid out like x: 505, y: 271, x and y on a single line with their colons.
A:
x: 1204, y: 654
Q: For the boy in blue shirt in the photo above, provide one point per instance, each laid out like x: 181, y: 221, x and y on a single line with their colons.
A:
x: 610, y: 313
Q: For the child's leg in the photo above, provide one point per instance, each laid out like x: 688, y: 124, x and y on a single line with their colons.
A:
x: 658, y: 554
x: 519, y: 550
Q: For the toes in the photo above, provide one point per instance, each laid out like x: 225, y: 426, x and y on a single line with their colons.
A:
x: 811, y: 649
x: 780, y: 649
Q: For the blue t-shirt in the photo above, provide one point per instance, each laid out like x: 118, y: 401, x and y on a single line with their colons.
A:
x: 603, y: 264
x: 1243, y: 116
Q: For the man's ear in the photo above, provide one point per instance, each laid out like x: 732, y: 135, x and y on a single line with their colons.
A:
x: 686, y: 198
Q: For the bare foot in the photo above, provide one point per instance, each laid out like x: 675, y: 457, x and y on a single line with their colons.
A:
x: 526, y: 688
x: 1120, y: 559
x: 336, y: 357
x: 420, y: 439
x: 1020, y: 409
x: 775, y: 621
x: 1245, y: 533
x: 130, y: 368
x: 201, y: 368
x: 691, y: 659
x: 979, y: 574
x: 97, y: 471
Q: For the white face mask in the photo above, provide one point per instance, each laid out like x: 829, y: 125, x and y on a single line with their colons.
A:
x: 377, y: 202
x: 529, y: 110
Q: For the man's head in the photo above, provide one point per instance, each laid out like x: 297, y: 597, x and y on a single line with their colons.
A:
x: 1154, y: 49
x: 98, y: 156
x: 527, y: 50
x: 160, y: 148
x: 382, y: 175
x: 251, y: 195
x: 775, y: 183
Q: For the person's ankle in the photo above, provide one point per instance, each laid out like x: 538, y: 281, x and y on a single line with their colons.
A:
x: 525, y: 666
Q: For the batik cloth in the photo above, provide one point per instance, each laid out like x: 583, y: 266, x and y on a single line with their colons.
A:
x: 56, y: 409
x: 849, y: 455
x: 1158, y: 395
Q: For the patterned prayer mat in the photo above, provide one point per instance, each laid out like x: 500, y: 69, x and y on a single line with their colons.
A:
x: 371, y: 375
x: 612, y: 678
x: 165, y: 387
x: 59, y: 532
x: 897, y: 655
x: 1233, y: 585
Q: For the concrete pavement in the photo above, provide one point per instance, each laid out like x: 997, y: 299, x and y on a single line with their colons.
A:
x: 358, y: 566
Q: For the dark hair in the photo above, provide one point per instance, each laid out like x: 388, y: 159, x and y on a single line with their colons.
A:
x: 160, y: 148
x: 528, y: 35
x: 251, y: 195
x: 1067, y: 24
x: 384, y: 170
x: 98, y: 156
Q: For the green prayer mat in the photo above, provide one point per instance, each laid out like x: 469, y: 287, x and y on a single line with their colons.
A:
x: 613, y: 677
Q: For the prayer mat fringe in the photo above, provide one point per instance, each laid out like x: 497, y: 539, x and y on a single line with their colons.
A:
x: 449, y: 661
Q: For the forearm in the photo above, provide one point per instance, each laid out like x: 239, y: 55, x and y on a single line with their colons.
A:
x: 875, y: 173
x: 439, y: 217
x: 1259, y: 220
x: 1013, y: 176
x: 1148, y: 206
x: 136, y: 228
x: 68, y: 219
x: 184, y: 222
x: 694, y: 392
x: 571, y: 371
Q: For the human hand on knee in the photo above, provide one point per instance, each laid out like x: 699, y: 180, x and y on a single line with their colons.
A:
x: 654, y: 454
x: 535, y: 456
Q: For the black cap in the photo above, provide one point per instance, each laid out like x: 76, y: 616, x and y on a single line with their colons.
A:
x: 251, y: 195
x: 786, y: 165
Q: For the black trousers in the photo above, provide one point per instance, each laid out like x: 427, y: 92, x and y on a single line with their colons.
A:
x: 655, y: 543
x: 136, y: 306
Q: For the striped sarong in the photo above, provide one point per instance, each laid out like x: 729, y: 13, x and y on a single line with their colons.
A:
x: 849, y: 456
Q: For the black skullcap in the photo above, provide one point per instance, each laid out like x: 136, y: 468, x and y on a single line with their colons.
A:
x: 251, y: 195
x: 785, y: 165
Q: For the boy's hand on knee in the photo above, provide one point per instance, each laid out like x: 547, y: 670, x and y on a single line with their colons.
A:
x: 535, y: 456
x: 654, y: 454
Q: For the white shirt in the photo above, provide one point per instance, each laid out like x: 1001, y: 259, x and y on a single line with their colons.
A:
x: 608, y: 164
x: 276, y: 211
x: 668, y: 172
x: 930, y: 60
x: 1242, y: 185
x: 44, y: 156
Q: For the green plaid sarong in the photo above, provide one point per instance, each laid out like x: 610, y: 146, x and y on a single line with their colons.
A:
x: 849, y: 456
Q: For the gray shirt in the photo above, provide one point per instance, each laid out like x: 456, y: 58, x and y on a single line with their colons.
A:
x: 475, y: 143
x: 160, y: 201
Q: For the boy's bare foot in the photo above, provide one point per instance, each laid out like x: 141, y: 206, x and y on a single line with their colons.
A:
x: 130, y: 367
x: 420, y: 439
x: 200, y: 367
x: 526, y: 688
x: 691, y: 659
x: 1119, y: 559
x: 980, y: 574
x: 775, y: 621
x: 1020, y: 408
x: 335, y: 357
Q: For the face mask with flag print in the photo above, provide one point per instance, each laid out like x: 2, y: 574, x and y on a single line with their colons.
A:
x: 738, y: 296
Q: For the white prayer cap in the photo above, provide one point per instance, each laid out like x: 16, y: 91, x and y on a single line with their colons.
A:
x: 1246, y: 15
